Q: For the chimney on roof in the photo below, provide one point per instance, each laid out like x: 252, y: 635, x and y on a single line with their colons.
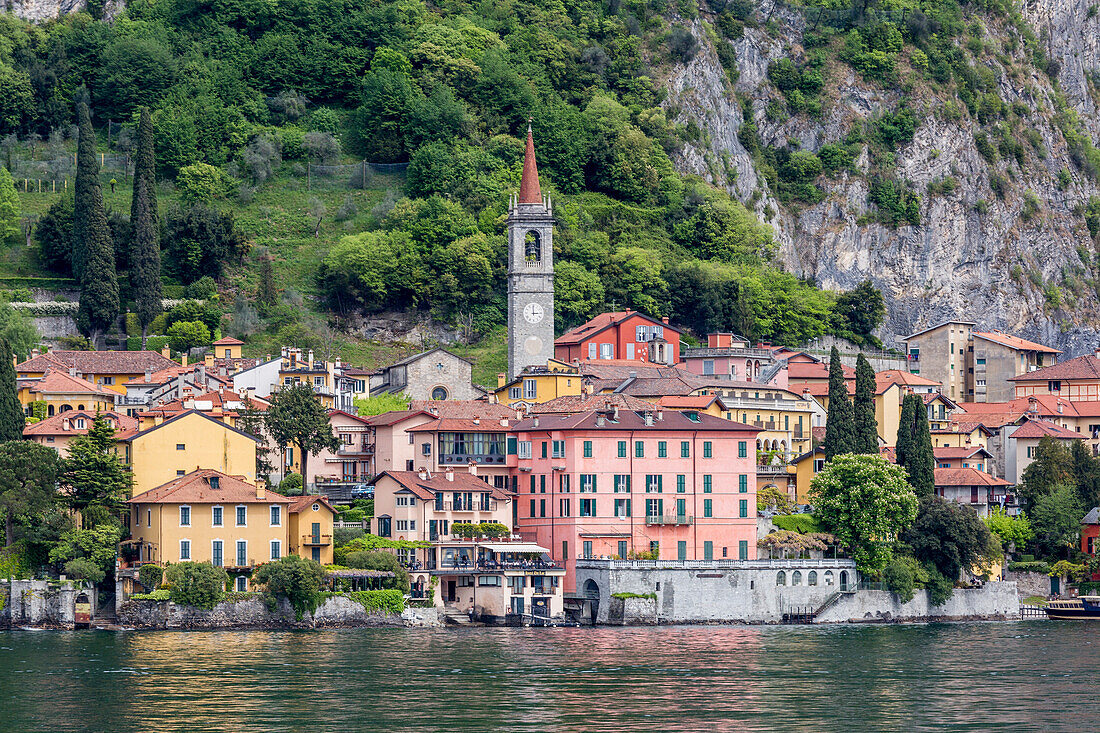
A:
x: 65, y: 423
x: 477, y: 421
x: 648, y: 418
x: 664, y: 319
x: 504, y: 422
x: 615, y: 413
x: 600, y: 420
x: 422, y: 473
x: 310, y: 354
x: 148, y: 374
x: 449, y: 474
x: 183, y: 359
x: 434, y: 410
x: 633, y: 374
x: 660, y: 415
x: 261, y: 492
x: 536, y: 421
x: 471, y: 467
x: 208, y: 359
x: 165, y: 351
x: 35, y: 352
x: 72, y: 371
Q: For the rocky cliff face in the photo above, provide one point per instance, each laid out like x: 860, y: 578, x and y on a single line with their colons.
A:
x: 973, y: 256
x: 38, y: 10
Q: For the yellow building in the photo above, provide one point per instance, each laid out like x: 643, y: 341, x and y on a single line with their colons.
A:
x: 962, y: 435
x: 310, y: 531
x: 179, y: 445
x: 888, y: 398
x: 61, y: 392
x: 805, y: 467
x: 535, y: 385
x: 110, y: 369
x: 207, y: 516
x: 227, y: 348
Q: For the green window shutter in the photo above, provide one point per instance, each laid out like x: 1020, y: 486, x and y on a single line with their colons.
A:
x: 639, y: 449
x: 708, y: 508
x: 588, y: 449
x: 742, y: 449
x: 742, y: 483
x: 512, y: 446
x: 707, y: 486
x: 681, y: 483
x: 662, y: 449
x: 622, y: 449
x: 685, y: 449
x: 706, y: 449
x: 743, y: 505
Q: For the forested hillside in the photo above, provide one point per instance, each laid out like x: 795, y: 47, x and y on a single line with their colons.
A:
x: 343, y: 159
x: 336, y: 162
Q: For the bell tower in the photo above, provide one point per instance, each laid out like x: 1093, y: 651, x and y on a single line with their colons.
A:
x: 530, y: 271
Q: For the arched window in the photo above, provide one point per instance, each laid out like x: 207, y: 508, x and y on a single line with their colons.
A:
x: 80, y: 407
x: 532, y: 247
x: 796, y: 577
x: 844, y: 580
x: 811, y: 579
x: 49, y: 410
x: 828, y: 577
x: 439, y: 393
x: 65, y: 408
x: 780, y: 578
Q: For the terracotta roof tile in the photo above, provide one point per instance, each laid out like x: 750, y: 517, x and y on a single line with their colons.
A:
x: 1083, y: 367
x: 462, y: 425
x: 299, y: 503
x: 596, y: 324
x: 394, y: 416
x: 98, y: 362
x: 631, y: 420
x: 195, y: 488
x: 907, y: 378
x: 463, y: 409
x: 581, y: 403
x: 426, y: 488
x: 55, y: 425
x: 949, y: 452
x: 1043, y: 428
x: 228, y: 341
x: 966, y: 477
x: 1013, y: 342
x: 64, y: 383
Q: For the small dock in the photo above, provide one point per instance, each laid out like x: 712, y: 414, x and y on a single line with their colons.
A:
x: 1029, y: 611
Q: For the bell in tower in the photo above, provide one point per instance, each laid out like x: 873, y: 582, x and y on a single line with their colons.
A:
x: 530, y: 272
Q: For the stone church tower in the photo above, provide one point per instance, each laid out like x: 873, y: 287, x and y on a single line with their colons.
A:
x: 530, y: 272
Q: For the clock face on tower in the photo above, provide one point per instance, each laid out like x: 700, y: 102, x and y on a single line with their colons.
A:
x: 532, y: 312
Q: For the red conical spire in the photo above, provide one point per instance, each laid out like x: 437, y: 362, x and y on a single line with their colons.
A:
x: 529, y: 192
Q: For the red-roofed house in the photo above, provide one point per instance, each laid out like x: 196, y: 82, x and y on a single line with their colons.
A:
x: 1076, y: 379
x: 111, y: 369
x: 976, y: 489
x: 627, y: 335
x: 58, y: 431
x: 61, y: 391
x: 973, y: 456
x: 1021, y: 442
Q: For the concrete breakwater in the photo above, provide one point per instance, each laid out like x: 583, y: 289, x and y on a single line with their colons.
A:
x: 766, y: 591
x: 253, y: 613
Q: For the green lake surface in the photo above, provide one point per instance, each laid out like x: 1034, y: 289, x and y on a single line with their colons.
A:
x: 1028, y: 675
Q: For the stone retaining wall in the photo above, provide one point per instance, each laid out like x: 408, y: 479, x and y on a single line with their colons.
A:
x: 41, y: 603
x: 252, y: 613
x: 994, y: 600
x: 1030, y: 584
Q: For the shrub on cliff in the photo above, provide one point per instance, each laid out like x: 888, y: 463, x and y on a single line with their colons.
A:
x: 294, y: 578
x: 197, y: 584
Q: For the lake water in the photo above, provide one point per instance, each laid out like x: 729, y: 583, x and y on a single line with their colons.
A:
x: 1029, y: 675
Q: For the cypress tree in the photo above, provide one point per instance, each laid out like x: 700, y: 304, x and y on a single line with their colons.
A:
x: 12, y: 419
x: 920, y: 461
x: 98, y: 279
x: 905, y: 431
x: 145, y: 245
x: 87, y: 178
x: 839, y: 427
x: 865, y: 426
x: 267, y: 295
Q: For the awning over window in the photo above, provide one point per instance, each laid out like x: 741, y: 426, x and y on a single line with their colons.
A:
x: 512, y: 547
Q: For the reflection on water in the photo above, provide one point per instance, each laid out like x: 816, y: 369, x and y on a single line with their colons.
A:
x: 1036, y: 675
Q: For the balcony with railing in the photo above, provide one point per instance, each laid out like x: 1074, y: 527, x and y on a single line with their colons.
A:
x: 462, y: 506
x: 355, y: 449
x: 772, y: 470
x: 316, y: 540
x: 706, y: 352
x: 669, y: 519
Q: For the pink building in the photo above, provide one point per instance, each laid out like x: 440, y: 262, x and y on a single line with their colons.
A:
x: 392, y: 447
x: 351, y: 463
x: 617, y: 483
x: 627, y: 335
x: 729, y: 356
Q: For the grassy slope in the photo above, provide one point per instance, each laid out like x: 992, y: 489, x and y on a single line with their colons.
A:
x: 278, y: 219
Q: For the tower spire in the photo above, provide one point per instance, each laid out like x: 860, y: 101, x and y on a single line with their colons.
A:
x: 529, y: 191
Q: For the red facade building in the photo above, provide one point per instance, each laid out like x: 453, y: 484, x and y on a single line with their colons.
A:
x: 626, y: 335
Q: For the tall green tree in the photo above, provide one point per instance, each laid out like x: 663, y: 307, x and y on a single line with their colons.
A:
x: 28, y: 482
x: 1051, y: 468
x: 87, y: 179
x: 296, y: 417
x: 97, y: 479
x: 920, y: 460
x: 949, y: 536
x: 866, y: 502
x: 94, y: 255
x: 1056, y: 520
x: 9, y: 206
x: 145, y: 244
x: 863, y: 409
x: 905, y: 431
x: 12, y: 419
x: 839, y: 423
x: 267, y: 296
x: 1086, y: 471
